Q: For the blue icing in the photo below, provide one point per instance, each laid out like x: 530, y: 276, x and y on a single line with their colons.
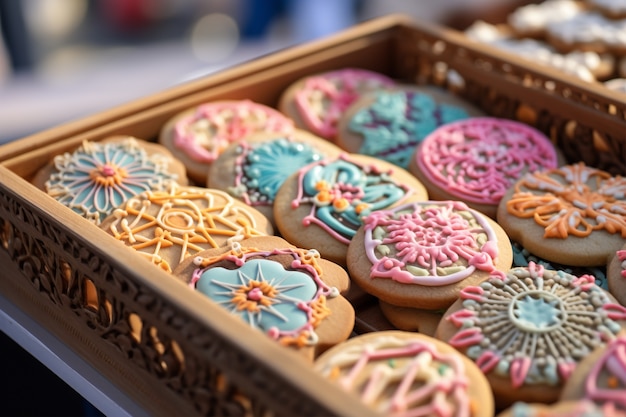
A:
x: 397, y: 122
x: 283, y: 311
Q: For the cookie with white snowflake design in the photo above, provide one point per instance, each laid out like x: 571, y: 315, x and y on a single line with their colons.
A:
x: 253, y: 169
x: 323, y: 204
x: 476, y: 160
x: 389, y: 124
x: 398, y: 373
x: 168, y: 226
x: 291, y: 294
x: 197, y: 136
x: 572, y: 215
x: 529, y: 331
x: 97, y: 177
x: 421, y: 255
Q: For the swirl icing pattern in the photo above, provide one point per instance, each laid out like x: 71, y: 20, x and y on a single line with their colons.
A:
x: 536, y: 325
x: 341, y: 192
x: 572, y: 200
x: 430, y: 243
x: 205, y: 134
x: 403, y: 377
x: 396, y: 122
x: 606, y: 382
x: 260, y: 175
x: 168, y: 226
x: 98, y: 177
x: 478, y: 159
x: 324, y: 98
x: 286, y: 304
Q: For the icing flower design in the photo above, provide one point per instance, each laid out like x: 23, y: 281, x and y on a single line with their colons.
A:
x: 429, y: 243
x: 342, y: 192
x: 183, y: 220
x: 205, y: 134
x: 572, y: 200
x: 536, y: 325
x: 402, y: 377
x: 606, y: 382
x: 259, y: 175
x: 480, y: 158
x: 397, y: 122
x: 324, y: 98
x: 98, y: 177
x: 286, y: 304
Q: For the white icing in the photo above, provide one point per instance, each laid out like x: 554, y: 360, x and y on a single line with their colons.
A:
x: 613, y: 6
x: 590, y: 27
x: 536, y: 17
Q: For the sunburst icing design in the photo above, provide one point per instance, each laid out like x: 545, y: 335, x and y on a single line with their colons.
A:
x: 98, y: 177
x: 402, y: 377
x: 429, y: 243
x: 572, y: 200
x: 287, y: 304
x: 535, y: 325
x: 168, y: 226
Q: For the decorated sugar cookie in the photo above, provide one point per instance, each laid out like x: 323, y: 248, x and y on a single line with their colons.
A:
x: 322, y: 205
x: 317, y: 102
x: 572, y: 215
x: 616, y: 274
x: 99, y: 176
x: 168, y: 226
x: 589, y: 31
x: 532, y: 20
x: 529, y: 331
x: 291, y: 294
x: 477, y: 159
x: 388, y: 124
x: 399, y: 373
x: 253, y: 169
x: 199, y: 135
x: 572, y: 408
x: 422, y: 254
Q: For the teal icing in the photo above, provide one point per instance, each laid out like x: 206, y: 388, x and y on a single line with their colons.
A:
x: 397, y: 122
x: 284, y: 313
x: 537, y: 313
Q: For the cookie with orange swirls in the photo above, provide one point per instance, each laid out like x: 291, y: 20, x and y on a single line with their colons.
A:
x: 397, y: 373
x: 291, y: 294
x: 573, y: 215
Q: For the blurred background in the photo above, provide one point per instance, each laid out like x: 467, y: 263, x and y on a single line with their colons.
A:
x: 64, y: 59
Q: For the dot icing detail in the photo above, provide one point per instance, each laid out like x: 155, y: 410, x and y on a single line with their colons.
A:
x: 204, y: 135
x: 396, y: 122
x: 341, y: 192
x: 324, y: 98
x: 429, y: 243
x: 287, y: 304
x: 98, y: 177
x: 536, y: 325
x: 478, y: 159
x: 574, y: 200
x: 183, y: 220
x: 606, y: 381
x: 400, y: 377
x: 262, y: 169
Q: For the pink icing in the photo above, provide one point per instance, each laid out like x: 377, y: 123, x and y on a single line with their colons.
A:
x: 431, y: 243
x: 613, y: 362
x: 621, y: 255
x: 205, y: 134
x: 324, y: 98
x: 478, y: 159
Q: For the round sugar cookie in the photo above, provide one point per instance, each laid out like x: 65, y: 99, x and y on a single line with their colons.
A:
x: 317, y: 102
x: 398, y: 373
x: 291, y: 294
x: 573, y: 408
x: 197, y: 136
x: 97, y: 177
x: 616, y: 274
x: 322, y: 205
x: 253, y: 169
x: 589, y: 31
x: 601, y: 377
x: 389, y: 124
x: 476, y: 160
x: 168, y: 226
x: 572, y: 215
x: 422, y: 254
x: 529, y: 331
x: 411, y: 319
